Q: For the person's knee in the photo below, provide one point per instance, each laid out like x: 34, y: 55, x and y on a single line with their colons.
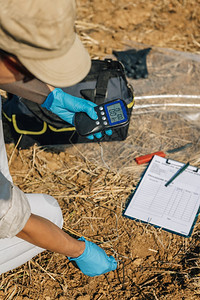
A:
x: 47, y: 207
x: 54, y: 210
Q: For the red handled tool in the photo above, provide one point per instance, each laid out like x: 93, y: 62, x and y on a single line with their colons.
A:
x: 146, y: 158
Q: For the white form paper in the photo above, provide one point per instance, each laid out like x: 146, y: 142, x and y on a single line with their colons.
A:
x: 173, y: 207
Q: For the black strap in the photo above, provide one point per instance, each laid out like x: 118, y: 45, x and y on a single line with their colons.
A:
x: 110, y: 69
x: 102, y: 86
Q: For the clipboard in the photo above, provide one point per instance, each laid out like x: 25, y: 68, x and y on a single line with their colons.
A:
x: 174, y: 208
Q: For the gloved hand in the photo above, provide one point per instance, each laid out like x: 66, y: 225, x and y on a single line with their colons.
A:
x: 94, y: 261
x: 65, y: 106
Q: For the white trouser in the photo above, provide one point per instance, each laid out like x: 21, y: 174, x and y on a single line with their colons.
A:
x: 14, y: 251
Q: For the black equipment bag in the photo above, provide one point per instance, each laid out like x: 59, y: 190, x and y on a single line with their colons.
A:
x: 106, y: 81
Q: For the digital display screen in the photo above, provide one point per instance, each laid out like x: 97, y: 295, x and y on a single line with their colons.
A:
x: 115, y: 112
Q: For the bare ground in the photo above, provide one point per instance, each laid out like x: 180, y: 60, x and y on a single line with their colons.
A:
x: 153, y: 264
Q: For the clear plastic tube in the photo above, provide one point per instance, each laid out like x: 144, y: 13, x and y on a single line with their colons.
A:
x: 167, y: 96
x: 166, y: 104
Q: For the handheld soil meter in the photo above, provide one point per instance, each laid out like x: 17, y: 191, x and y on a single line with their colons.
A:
x: 111, y: 114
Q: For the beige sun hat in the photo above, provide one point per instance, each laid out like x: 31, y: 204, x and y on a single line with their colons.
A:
x: 41, y: 34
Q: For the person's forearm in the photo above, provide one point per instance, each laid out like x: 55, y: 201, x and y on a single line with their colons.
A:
x: 45, y: 234
x: 33, y: 90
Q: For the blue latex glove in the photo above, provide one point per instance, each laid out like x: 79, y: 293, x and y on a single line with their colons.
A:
x: 65, y: 106
x: 94, y: 261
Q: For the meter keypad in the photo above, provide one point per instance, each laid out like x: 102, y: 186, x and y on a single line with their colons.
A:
x: 102, y: 118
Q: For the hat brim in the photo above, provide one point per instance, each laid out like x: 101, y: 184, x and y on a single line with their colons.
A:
x: 62, y: 71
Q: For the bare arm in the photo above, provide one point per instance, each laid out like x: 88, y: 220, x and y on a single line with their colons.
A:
x: 45, y: 234
x: 33, y: 90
